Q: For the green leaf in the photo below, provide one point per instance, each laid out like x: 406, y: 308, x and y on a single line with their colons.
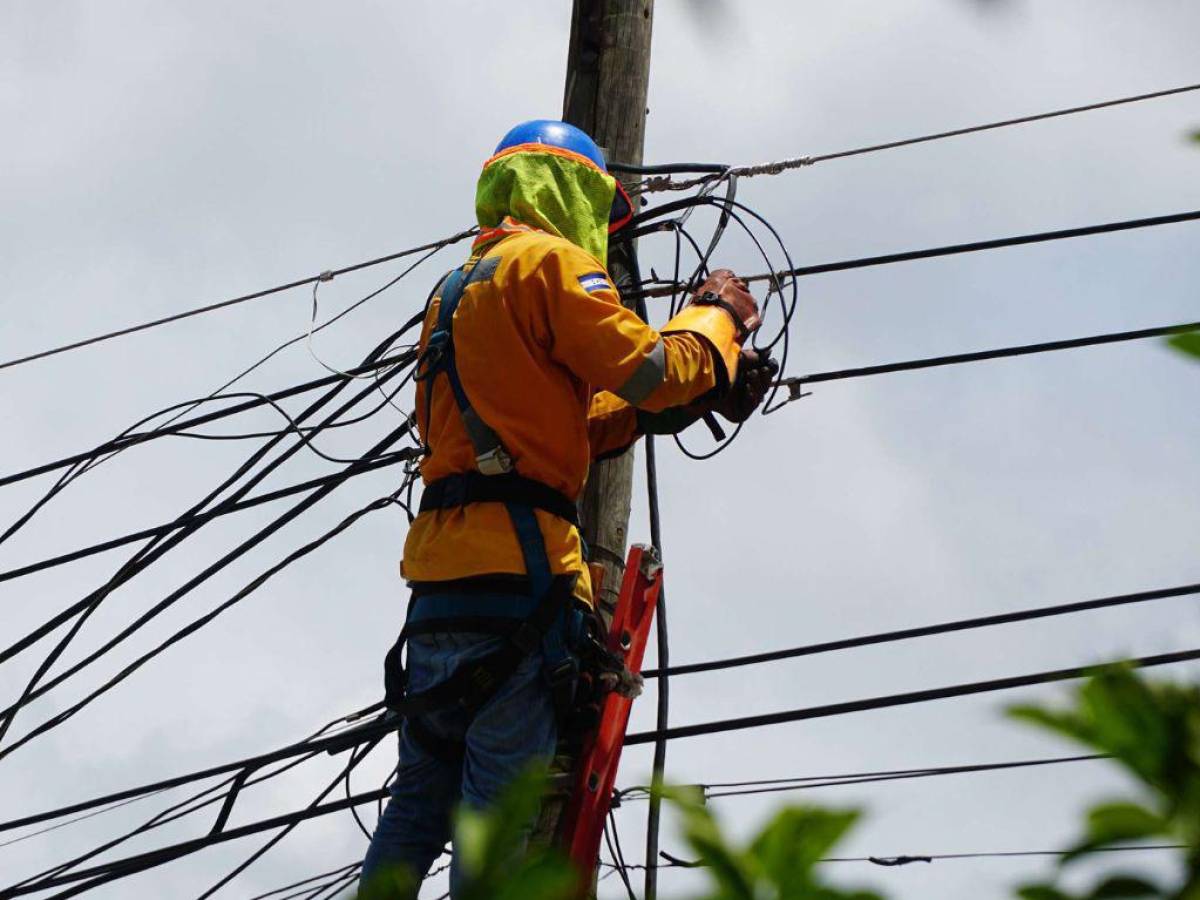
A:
x: 472, y: 831
x: 547, y: 877
x: 1187, y: 343
x: 1117, y: 823
x: 1194, y: 136
x: 388, y: 881
x: 1122, y: 886
x: 794, y: 841
x: 1124, y: 821
x: 732, y: 873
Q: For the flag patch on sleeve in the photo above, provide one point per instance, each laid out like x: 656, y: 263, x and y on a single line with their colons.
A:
x: 594, y: 281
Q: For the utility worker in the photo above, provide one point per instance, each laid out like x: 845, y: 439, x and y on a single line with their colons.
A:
x: 531, y: 369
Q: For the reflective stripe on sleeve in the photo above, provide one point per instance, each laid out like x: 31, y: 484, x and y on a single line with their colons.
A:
x: 646, y: 377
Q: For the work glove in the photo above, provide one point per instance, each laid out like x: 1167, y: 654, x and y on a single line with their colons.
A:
x: 724, y: 289
x: 756, y: 372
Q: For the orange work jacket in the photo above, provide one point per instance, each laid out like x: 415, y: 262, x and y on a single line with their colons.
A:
x: 552, y: 361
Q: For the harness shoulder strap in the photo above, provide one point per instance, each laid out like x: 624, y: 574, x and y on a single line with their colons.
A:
x: 490, y: 456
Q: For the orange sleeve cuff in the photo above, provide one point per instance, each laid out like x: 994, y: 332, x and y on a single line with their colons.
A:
x: 716, y: 326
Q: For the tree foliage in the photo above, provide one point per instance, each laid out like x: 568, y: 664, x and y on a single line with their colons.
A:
x: 1152, y: 730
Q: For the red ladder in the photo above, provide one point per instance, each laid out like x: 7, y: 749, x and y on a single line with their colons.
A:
x: 600, y: 754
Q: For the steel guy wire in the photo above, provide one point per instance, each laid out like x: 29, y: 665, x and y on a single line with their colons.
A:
x: 664, y: 182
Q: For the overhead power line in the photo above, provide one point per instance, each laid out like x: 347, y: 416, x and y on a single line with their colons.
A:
x: 335, y: 743
x: 904, y: 634
x: 203, y: 517
x: 256, y: 295
x: 716, y: 789
x: 370, y: 730
x: 664, y: 183
x: 658, y: 289
x: 60, y: 717
x: 798, y: 381
x: 119, y: 868
x: 993, y: 244
x: 139, y: 437
x: 852, y: 706
x: 674, y: 862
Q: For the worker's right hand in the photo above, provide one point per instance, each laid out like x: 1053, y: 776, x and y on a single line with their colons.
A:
x: 724, y: 289
x: 756, y: 373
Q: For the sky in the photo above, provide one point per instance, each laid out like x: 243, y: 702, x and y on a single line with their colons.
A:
x: 159, y: 156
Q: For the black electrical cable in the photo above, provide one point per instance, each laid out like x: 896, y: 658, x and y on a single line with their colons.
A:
x: 324, y: 276
x: 852, y: 706
x: 32, y: 691
x: 354, y: 812
x: 775, y: 168
x: 974, y: 246
x: 674, y: 862
x: 340, y: 871
x: 349, y: 309
x: 165, y: 431
x: 110, y: 871
x: 904, y: 634
x: 333, y: 889
x: 788, y: 305
x: 158, y: 530
x: 82, y: 464
x: 184, y: 808
x: 156, y: 549
x: 930, y: 252
x: 666, y: 168
x: 83, y: 609
x: 663, y: 697
x: 316, y: 744
x: 618, y: 858
x: 999, y: 353
x: 336, y: 387
x: 356, y: 757
x: 57, y: 719
x: 176, y: 811
x: 714, y: 790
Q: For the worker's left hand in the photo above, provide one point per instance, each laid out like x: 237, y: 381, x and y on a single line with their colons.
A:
x: 756, y: 371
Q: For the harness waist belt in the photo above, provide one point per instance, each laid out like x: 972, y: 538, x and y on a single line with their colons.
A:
x: 474, y: 487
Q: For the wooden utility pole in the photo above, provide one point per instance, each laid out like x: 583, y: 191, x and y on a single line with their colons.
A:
x: 608, y: 73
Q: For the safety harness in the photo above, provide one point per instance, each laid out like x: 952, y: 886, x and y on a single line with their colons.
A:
x: 538, y: 611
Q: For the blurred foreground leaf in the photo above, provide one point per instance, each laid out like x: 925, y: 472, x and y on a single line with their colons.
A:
x: 1152, y: 729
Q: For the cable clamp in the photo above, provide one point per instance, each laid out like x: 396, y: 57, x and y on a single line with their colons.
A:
x: 327, y: 275
x: 796, y: 391
x: 898, y: 860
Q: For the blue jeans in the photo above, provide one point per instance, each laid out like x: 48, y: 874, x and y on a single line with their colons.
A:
x: 515, y: 727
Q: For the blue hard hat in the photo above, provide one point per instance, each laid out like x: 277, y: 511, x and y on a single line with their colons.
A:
x: 568, y: 137
x: 555, y: 134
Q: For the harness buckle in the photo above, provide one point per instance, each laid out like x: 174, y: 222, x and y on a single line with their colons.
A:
x: 496, y: 461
